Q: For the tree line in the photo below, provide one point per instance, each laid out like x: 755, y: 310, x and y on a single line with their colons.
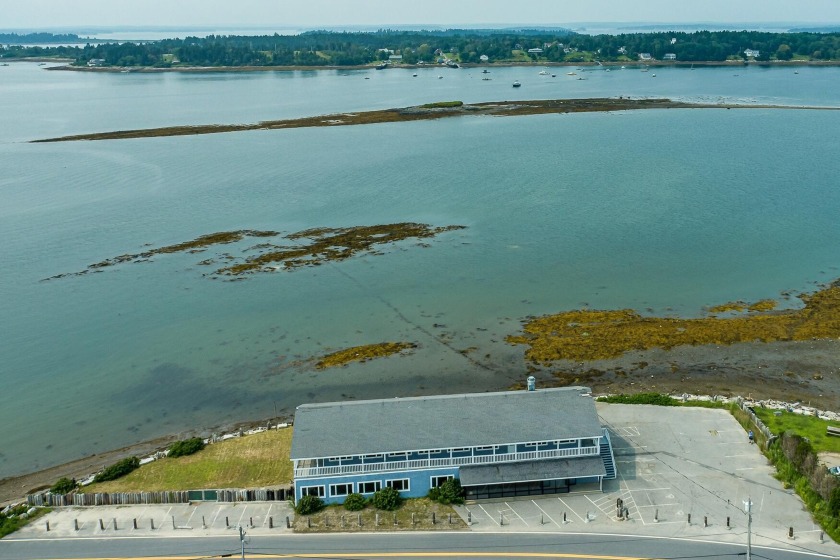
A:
x: 326, y: 48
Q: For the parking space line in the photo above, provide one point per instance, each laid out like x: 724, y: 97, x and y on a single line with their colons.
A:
x: 570, y: 509
x: 267, y: 514
x: 658, y: 505
x: 746, y: 469
x: 162, y: 521
x: 489, y: 516
x: 239, y: 523
x: 191, y: 516
x: 516, y: 514
x: 218, y: 511
x: 545, y: 513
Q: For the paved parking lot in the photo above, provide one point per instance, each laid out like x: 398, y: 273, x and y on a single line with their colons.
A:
x: 672, y: 463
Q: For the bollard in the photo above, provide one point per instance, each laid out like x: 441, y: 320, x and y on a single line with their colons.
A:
x: 469, y: 518
x: 251, y: 522
x: 689, y: 519
x: 821, y: 537
x: 115, y: 523
x: 203, y: 523
x: 75, y: 524
x: 289, y: 522
x: 134, y: 523
x: 656, y: 515
x: 501, y: 519
x: 790, y: 533
x: 173, y: 522
x: 376, y: 519
x: 227, y: 523
x: 542, y: 521
x: 450, y: 519
x: 48, y: 526
x: 705, y: 521
x: 101, y: 525
x: 433, y: 518
x: 271, y: 523
x: 309, y: 522
x: 152, y: 524
x: 564, y: 517
x: 360, y: 520
x: 395, y: 520
x: 727, y: 522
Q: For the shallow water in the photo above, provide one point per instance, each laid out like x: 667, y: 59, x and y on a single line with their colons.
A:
x: 662, y: 210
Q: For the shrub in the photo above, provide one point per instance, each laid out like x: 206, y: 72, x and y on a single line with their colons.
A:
x: 355, y: 502
x: 450, y: 492
x: 308, y: 505
x: 186, y: 447
x: 118, y: 469
x: 64, y: 486
x: 387, y: 499
x: 641, y: 398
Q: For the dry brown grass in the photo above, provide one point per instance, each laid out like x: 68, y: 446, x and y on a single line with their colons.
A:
x: 330, y: 519
x: 251, y: 461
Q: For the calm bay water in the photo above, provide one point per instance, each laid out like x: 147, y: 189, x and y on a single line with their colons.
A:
x: 651, y: 210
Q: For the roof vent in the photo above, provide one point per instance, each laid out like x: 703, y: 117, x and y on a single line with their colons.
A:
x: 532, y: 383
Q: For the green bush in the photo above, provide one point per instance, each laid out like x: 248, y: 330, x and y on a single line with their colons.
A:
x: 64, y: 486
x: 186, y: 447
x: 443, y: 105
x: 387, y: 499
x: 118, y: 469
x: 355, y: 502
x: 450, y: 492
x: 308, y: 505
x: 641, y: 398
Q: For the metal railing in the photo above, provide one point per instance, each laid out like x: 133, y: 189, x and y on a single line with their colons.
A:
x: 303, y: 472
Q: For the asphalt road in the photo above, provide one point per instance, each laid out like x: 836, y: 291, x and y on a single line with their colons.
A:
x: 414, y: 545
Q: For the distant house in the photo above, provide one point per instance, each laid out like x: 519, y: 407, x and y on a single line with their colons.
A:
x: 535, y: 51
x: 749, y: 53
x: 395, y: 58
x: 484, y: 58
x: 645, y: 56
x: 622, y: 50
x: 96, y: 62
x: 669, y: 56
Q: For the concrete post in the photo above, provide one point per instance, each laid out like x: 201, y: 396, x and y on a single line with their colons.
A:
x: 115, y: 523
x: 790, y: 533
x: 689, y: 519
x: 134, y: 523
x: 152, y: 524
x: 469, y: 518
x: 173, y: 522
x: 75, y: 524
x: 101, y: 525
x: 360, y: 520
x: 48, y: 526
x: 203, y: 523
x: 270, y: 522
x: 705, y: 521
x: 227, y: 523
x: 433, y: 518
x: 289, y: 522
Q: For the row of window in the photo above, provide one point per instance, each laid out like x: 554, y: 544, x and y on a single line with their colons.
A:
x: 367, y: 487
x: 497, y: 448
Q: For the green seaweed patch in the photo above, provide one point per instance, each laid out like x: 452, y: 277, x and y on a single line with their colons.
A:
x: 363, y: 353
x: 196, y: 245
x: 586, y: 335
x: 737, y: 306
x: 330, y: 244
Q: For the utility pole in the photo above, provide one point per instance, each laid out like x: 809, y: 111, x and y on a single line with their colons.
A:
x: 748, y: 509
x: 242, y: 540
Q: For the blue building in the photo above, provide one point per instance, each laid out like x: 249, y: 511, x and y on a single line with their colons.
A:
x: 505, y: 444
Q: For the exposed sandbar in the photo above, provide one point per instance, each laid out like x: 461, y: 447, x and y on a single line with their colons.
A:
x: 422, y: 112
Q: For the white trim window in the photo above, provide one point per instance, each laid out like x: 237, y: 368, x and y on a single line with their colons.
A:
x: 369, y: 487
x: 400, y: 484
x: 318, y: 491
x: 341, y: 489
x: 437, y: 481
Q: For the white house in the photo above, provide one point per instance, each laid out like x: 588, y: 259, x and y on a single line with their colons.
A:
x: 669, y: 56
x: 645, y: 56
x: 749, y: 53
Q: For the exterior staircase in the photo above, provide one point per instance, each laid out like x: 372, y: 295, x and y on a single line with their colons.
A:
x: 607, y: 455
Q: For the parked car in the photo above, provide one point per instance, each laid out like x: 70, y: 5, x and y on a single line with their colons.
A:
x: 835, y: 470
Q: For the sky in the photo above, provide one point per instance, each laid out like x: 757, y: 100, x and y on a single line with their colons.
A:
x: 285, y: 14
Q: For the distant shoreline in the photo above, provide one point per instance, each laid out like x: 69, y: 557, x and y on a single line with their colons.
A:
x: 652, y: 63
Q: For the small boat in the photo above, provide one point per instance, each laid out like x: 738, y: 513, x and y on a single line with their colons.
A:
x: 516, y: 84
x: 796, y: 71
x: 623, y: 67
x: 653, y: 75
x: 543, y: 73
x: 382, y: 66
x: 571, y: 73
x: 414, y: 75
x: 554, y: 75
x: 485, y: 79
x: 485, y: 71
x: 440, y: 77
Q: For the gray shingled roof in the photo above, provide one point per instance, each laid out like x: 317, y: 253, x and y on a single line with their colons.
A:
x: 440, y: 422
x: 528, y: 471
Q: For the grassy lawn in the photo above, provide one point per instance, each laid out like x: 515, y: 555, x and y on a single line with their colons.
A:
x: 247, y: 462
x: 330, y: 519
x: 807, y: 426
